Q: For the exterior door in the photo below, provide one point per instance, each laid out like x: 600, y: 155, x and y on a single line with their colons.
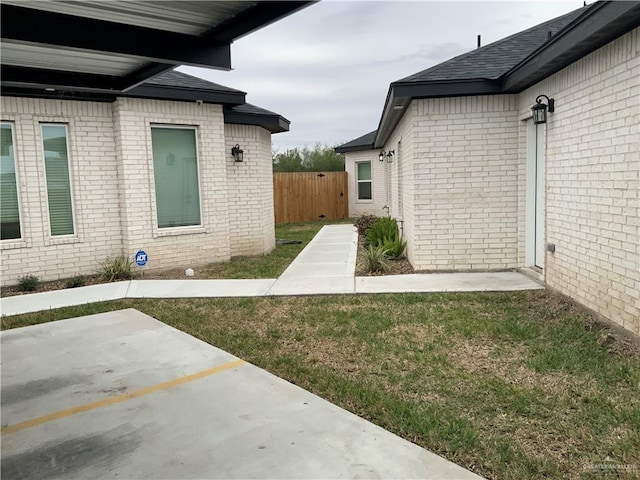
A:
x: 535, y: 211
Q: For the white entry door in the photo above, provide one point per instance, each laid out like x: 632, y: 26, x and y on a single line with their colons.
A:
x: 534, y: 244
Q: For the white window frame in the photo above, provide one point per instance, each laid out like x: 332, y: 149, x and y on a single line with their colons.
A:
x: 70, y: 175
x: 21, y: 238
x: 358, y: 181
x: 186, y: 228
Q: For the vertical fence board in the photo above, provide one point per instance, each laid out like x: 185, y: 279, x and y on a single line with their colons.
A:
x: 307, y: 196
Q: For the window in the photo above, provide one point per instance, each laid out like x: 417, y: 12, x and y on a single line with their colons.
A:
x: 364, y: 180
x: 9, y: 209
x: 175, y: 170
x: 56, y: 164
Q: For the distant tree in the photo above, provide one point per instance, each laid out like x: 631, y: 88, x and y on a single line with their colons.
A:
x: 289, y: 161
x: 320, y: 158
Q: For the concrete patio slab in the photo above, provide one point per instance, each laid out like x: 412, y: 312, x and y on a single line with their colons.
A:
x: 121, y: 395
x: 447, y: 282
x: 36, y: 302
x: 198, y: 288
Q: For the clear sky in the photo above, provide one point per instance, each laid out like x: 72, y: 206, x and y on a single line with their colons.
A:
x: 327, y: 68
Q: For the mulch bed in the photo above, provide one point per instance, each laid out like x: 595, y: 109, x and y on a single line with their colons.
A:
x: 400, y: 266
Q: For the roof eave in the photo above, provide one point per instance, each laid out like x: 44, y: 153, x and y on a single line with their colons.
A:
x: 586, y: 34
x: 161, y: 92
x: 402, y: 93
x: 354, y: 148
x: 594, y: 29
x: 274, y: 123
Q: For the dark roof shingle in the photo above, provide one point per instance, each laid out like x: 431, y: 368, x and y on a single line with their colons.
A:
x: 183, y: 80
x: 365, y: 142
x: 497, y: 58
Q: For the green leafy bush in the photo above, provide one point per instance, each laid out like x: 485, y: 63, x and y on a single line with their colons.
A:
x: 384, y: 227
x: 364, y: 222
x: 384, y: 233
x: 116, y: 268
x: 28, y: 283
x: 77, y: 281
x: 376, y: 258
x: 394, y: 247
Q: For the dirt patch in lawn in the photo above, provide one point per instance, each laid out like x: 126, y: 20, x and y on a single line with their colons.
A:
x: 482, y: 356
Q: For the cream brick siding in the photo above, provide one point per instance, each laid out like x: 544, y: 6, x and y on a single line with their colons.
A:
x: 111, y: 170
x: 592, y: 179
x: 94, y: 183
x: 400, y: 174
x: 466, y: 183
x: 250, y: 183
x: 379, y: 184
x: 172, y: 247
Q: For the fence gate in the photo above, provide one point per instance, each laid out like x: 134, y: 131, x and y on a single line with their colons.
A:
x: 308, y: 196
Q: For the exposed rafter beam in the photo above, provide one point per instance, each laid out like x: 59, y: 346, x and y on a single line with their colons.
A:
x: 253, y: 18
x: 39, y: 78
x: 39, y: 27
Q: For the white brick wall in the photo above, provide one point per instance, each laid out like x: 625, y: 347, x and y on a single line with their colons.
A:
x: 466, y: 183
x: 94, y: 182
x: 593, y: 179
x: 179, y: 247
x: 250, y: 184
x: 378, y: 186
x: 401, y: 178
x: 112, y: 180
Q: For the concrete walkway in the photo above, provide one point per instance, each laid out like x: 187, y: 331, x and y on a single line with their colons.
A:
x: 325, y: 266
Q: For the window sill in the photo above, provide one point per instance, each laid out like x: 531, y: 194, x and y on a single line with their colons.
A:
x: 364, y: 201
x: 176, y: 231
x: 13, y: 243
x: 63, y: 240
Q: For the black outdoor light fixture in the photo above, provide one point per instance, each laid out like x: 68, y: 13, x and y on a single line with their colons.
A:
x: 540, y: 109
x: 388, y: 155
x: 237, y: 153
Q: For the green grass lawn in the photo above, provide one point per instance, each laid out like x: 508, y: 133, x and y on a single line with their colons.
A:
x: 510, y: 385
x: 274, y: 263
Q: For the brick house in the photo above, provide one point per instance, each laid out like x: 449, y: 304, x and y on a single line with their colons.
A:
x: 477, y: 185
x: 106, y: 150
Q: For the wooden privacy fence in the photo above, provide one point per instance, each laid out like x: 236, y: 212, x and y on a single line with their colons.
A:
x: 308, y: 196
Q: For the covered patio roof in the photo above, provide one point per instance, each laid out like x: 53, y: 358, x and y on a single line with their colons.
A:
x: 99, y: 46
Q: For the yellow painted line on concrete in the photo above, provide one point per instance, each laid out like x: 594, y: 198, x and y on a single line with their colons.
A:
x: 120, y: 398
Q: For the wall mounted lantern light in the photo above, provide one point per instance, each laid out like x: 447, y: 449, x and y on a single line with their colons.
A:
x: 388, y: 155
x: 237, y: 153
x: 540, y: 109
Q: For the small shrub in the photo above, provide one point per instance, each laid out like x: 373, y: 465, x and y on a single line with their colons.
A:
x: 28, y: 283
x: 376, y: 258
x: 384, y: 227
x: 116, y: 268
x: 394, y: 247
x: 75, y: 282
x: 364, y: 222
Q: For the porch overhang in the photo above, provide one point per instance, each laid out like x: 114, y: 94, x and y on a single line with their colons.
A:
x: 102, y: 46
